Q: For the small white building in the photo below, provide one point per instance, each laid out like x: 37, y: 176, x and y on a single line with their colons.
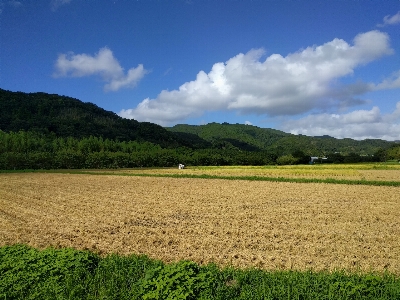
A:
x: 316, y: 158
x: 180, y: 166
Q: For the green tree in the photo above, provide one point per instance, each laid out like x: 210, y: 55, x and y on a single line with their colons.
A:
x: 286, y: 160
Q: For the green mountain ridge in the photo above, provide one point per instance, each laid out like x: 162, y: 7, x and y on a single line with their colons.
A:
x: 253, y: 138
x: 62, y: 116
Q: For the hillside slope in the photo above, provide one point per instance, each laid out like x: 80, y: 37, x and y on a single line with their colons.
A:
x: 68, y: 117
x: 243, y: 137
x: 252, y: 138
x: 63, y: 116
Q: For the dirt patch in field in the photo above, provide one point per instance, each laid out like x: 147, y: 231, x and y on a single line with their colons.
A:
x: 241, y: 223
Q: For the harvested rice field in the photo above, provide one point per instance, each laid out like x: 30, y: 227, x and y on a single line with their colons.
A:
x: 372, y: 172
x: 269, y: 225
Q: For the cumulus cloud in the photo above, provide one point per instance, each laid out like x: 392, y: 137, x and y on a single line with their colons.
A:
x: 392, y: 82
x: 359, y: 124
x: 390, y: 20
x: 102, y: 64
x: 277, y: 85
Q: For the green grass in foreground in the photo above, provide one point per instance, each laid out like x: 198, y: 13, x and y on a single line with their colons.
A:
x: 207, y: 176
x: 27, y: 273
x: 251, y: 178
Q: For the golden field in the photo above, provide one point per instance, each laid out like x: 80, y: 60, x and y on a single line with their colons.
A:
x: 270, y: 225
x: 372, y: 172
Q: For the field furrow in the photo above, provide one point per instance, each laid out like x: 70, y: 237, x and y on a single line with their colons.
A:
x: 271, y: 225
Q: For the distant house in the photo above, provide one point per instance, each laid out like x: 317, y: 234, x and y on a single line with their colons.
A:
x: 316, y: 158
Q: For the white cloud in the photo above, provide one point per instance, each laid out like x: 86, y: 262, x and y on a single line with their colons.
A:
x: 55, y: 4
x: 103, y: 64
x: 248, y: 123
x: 359, y: 124
x: 168, y: 71
x: 390, y: 20
x: 390, y: 83
x: 15, y: 4
x: 278, y: 85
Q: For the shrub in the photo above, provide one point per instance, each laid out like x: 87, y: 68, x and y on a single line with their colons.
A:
x: 184, y: 280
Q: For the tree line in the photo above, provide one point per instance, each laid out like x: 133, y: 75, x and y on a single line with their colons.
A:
x: 32, y: 150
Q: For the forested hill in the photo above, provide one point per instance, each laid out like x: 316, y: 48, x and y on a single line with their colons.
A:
x: 62, y: 117
x: 68, y: 117
x: 243, y: 137
x: 252, y: 138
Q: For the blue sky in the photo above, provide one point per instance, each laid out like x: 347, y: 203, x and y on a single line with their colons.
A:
x: 306, y: 67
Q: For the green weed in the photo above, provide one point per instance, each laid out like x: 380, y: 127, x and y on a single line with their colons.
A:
x: 27, y: 273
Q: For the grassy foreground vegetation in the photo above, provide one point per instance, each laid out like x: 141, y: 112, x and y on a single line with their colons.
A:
x: 28, y: 273
x: 298, y: 174
x: 257, y: 178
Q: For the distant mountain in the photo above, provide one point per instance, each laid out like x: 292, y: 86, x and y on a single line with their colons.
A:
x: 323, y: 136
x: 63, y: 116
x: 243, y: 137
x: 320, y: 146
x: 68, y: 117
x: 250, y: 138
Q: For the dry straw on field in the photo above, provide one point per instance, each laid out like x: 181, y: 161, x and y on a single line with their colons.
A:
x: 371, y: 172
x: 269, y: 225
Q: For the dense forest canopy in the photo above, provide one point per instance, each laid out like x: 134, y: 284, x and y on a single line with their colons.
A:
x: 47, y: 131
x: 68, y: 117
x: 252, y: 138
